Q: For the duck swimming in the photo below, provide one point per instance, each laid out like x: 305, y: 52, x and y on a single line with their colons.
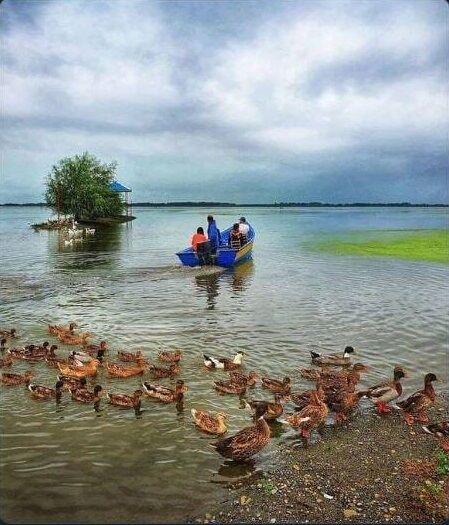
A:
x: 170, y: 357
x: 276, y: 386
x: 229, y: 387
x: 246, y: 443
x: 115, y: 370
x: 164, y: 394
x: 73, y: 383
x: 271, y: 410
x: 57, y: 330
x: 44, y: 392
x: 246, y: 379
x: 6, y: 334
x: 333, y: 359
x: 224, y: 363
x: 159, y: 372
x: 209, y: 423
x: 128, y: 357
x: 84, y: 396
x: 88, y: 370
x: 125, y: 400
x: 72, y: 339
x: 416, y: 405
x: 11, y: 379
x: 383, y: 393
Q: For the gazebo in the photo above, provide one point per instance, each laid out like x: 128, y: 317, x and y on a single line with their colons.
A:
x: 120, y: 188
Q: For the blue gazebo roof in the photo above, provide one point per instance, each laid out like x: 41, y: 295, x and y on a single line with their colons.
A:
x: 118, y: 187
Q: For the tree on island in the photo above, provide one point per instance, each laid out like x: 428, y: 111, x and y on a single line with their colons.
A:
x: 80, y: 186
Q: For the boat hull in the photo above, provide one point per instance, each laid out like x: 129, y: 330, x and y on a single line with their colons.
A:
x: 226, y: 257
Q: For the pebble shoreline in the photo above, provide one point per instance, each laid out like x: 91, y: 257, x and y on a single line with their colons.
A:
x: 353, y: 474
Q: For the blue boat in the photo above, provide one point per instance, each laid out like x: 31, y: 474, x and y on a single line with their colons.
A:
x: 226, y: 256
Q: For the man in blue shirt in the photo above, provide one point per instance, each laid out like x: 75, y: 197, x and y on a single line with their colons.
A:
x: 213, y: 233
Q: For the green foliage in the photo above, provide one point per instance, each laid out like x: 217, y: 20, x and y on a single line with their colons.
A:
x: 80, y: 186
x: 442, y: 463
x: 267, y: 485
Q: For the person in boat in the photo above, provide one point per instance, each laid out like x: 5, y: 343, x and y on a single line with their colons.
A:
x: 236, y: 237
x: 213, y: 234
x: 244, y: 229
x: 202, y: 247
x: 198, y: 238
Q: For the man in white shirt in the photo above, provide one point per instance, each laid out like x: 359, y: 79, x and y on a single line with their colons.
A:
x: 244, y: 228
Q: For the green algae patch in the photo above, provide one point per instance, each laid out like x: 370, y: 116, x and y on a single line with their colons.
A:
x: 418, y: 245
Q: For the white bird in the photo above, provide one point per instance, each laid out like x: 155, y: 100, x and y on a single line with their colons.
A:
x: 90, y: 231
x: 68, y: 243
x: 83, y: 357
x: 223, y: 362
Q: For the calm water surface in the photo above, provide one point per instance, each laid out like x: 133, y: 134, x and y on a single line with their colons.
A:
x: 67, y: 463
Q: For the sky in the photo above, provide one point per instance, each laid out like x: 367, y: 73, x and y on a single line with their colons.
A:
x: 230, y: 100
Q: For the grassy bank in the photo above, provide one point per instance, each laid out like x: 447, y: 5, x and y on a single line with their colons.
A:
x: 375, y: 469
x: 419, y: 245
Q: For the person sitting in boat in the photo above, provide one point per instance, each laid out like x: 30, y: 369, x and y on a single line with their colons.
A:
x: 244, y: 229
x: 236, y: 237
x: 198, y: 238
x: 213, y: 233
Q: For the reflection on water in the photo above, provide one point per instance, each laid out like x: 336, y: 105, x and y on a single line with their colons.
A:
x: 87, y: 251
x: 126, y: 286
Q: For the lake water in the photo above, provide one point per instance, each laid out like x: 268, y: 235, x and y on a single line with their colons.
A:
x: 67, y: 463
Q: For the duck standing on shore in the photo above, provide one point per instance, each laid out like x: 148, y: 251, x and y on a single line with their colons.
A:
x: 247, y: 442
x: 310, y: 417
x: 384, y: 393
x: 416, y: 405
x: 441, y: 431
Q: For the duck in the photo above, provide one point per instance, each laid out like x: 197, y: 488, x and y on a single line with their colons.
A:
x: 246, y: 379
x: 52, y: 361
x: 126, y: 401
x: 387, y: 391
x: 310, y: 417
x: 96, y: 350
x: 209, y: 423
x: 276, y: 386
x: 128, y: 357
x: 44, y: 392
x: 72, y: 339
x: 170, y: 357
x: 229, y: 387
x: 416, y: 405
x: 25, y: 354
x: 6, y: 361
x: 164, y: 394
x: 60, y: 329
x: 333, y: 359
x: 116, y: 370
x: 271, y: 410
x: 441, y: 431
x: 247, y: 442
x: 87, y: 370
x: 311, y: 374
x: 159, y: 372
x: 302, y: 399
x: 345, y: 403
x: 224, y: 363
x: 6, y: 334
x: 84, y: 396
x: 82, y: 356
x: 73, y: 383
x: 16, y: 379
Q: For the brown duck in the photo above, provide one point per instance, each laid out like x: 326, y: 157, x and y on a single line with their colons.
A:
x: 270, y: 409
x: 310, y: 417
x: 383, y: 393
x: 84, y: 396
x: 276, y: 386
x: 130, y: 357
x: 8, y: 333
x: 159, y: 372
x: 44, y: 392
x: 246, y: 443
x: 164, y: 394
x: 246, y: 379
x: 415, y: 406
x: 73, y: 383
x: 209, y: 423
x: 115, y: 370
x: 230, y: 387
x: 6, y: 361
x: 16, y: 379
x: 302, y: 399
x: 125, y: 400
x: 170, y: 357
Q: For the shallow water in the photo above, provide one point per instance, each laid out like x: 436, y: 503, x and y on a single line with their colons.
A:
x: 67, y: 463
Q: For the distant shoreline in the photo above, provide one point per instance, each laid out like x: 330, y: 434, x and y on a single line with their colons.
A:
x: 266, y: 205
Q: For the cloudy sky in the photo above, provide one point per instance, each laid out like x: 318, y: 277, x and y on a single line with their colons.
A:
x: 241, y: 101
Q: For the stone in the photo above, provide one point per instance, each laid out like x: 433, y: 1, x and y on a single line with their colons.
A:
x: 350, y: 513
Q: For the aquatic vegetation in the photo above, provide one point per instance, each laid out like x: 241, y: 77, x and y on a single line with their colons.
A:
x: 420, y: 245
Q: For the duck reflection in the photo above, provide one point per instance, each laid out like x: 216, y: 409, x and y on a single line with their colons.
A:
x: 234, y: 470
x: 209, y: 282
x: 87, y: 251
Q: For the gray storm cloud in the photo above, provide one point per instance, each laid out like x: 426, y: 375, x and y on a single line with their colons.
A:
x: 235, y: 101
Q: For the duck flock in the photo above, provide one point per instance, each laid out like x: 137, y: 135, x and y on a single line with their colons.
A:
x: 335, y: 377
